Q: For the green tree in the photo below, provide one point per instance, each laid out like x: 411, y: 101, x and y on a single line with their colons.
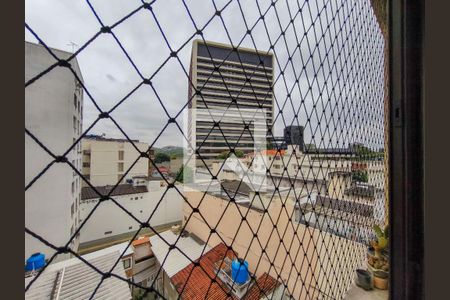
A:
x: 360, y: 176
x: 161, y: 157
x: 225, y: 154
x: 185, y: 175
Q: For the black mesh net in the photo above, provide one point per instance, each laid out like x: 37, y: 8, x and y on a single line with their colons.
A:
x: 315, y: 72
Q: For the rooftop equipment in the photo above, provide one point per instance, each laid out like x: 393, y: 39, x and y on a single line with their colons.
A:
x: 239, y: 271
x: 35, y: 262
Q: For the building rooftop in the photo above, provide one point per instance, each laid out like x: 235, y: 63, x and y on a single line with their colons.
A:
x: 174, y: 261
x: 121, y: 189
x: 270, y: 152
x: 74, y: 279
x: 236, y: 187
x: 345, y: 206
x: 141, y: 241
x: 362, y: 190
x: 196, y: 282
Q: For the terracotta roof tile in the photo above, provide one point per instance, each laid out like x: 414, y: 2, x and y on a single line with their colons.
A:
x: 141, y: 241
x: 195, y: 283
x: 263, y: 287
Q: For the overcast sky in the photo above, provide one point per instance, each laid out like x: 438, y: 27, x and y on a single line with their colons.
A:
x: 109, y: 76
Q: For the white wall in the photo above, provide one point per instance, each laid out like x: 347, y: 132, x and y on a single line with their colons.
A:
x: 109, y: 217
x: 104, y: 159
x: 49, y: 115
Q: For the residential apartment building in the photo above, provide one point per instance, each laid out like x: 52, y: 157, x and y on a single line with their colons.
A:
x: 266, y: 254
x: 54, y: 115
x: 106, y: 160
x: 223, y: 79
x: 141, y: 198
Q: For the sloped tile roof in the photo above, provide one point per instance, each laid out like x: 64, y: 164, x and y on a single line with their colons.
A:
x: 196, y: 283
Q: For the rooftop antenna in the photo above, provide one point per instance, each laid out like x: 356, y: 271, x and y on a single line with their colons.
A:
x: 73, y: 46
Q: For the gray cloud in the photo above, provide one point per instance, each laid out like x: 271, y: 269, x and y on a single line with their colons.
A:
x: 109, y: 75
x: 111, y: 78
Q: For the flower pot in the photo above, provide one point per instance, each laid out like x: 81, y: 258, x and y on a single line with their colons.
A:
x: 380, y: 280
x: 364, y: 279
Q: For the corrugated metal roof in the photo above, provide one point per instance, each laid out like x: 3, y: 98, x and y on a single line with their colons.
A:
x: 176, y: 261
x: 73, y: 279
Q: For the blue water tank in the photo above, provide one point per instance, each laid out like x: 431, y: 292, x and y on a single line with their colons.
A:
x: 239, y: 271
x: 35, y: 262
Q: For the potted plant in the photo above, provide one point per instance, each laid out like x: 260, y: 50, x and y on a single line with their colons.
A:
x: 380, y: 279
x: 382, y: 239
x: 378, y: 259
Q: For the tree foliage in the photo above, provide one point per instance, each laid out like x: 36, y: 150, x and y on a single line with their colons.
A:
x: 360, y: 176
x: 161, y: 157
x: 226, y: 154
x: 185, y: 175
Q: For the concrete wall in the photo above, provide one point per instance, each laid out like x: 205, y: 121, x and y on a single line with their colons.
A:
x: 176, y: 164
x: 52, y: 116
x: 103, y: 160
x: 109, y: 217
x: 311, y: 251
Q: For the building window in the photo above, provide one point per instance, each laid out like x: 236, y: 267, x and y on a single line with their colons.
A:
x: 127, y: 263
x: 120, y: 154
x: 73, y: 188
x: 108, y: 232
x: 71, y: 210
x: 120, y: 167
x: 130, y: 227
x: 75, y: 102
x: 74, y: 123
x: 86, y: 165
x: 119, y: 178
x: 135, y: 198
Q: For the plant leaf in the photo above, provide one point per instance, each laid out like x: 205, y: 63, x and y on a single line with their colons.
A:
x: 378, y: 231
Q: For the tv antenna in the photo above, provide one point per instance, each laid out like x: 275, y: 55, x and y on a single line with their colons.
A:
x: 73, y: 46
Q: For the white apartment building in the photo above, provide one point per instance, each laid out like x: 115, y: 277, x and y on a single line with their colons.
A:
x: 105, y: 160
x: 225, y: 76
x: 310, y: 168
x: 53, y: 114
x: 139, y: 198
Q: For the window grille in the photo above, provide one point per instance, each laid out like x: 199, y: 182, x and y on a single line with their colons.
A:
x: 329, y: 77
